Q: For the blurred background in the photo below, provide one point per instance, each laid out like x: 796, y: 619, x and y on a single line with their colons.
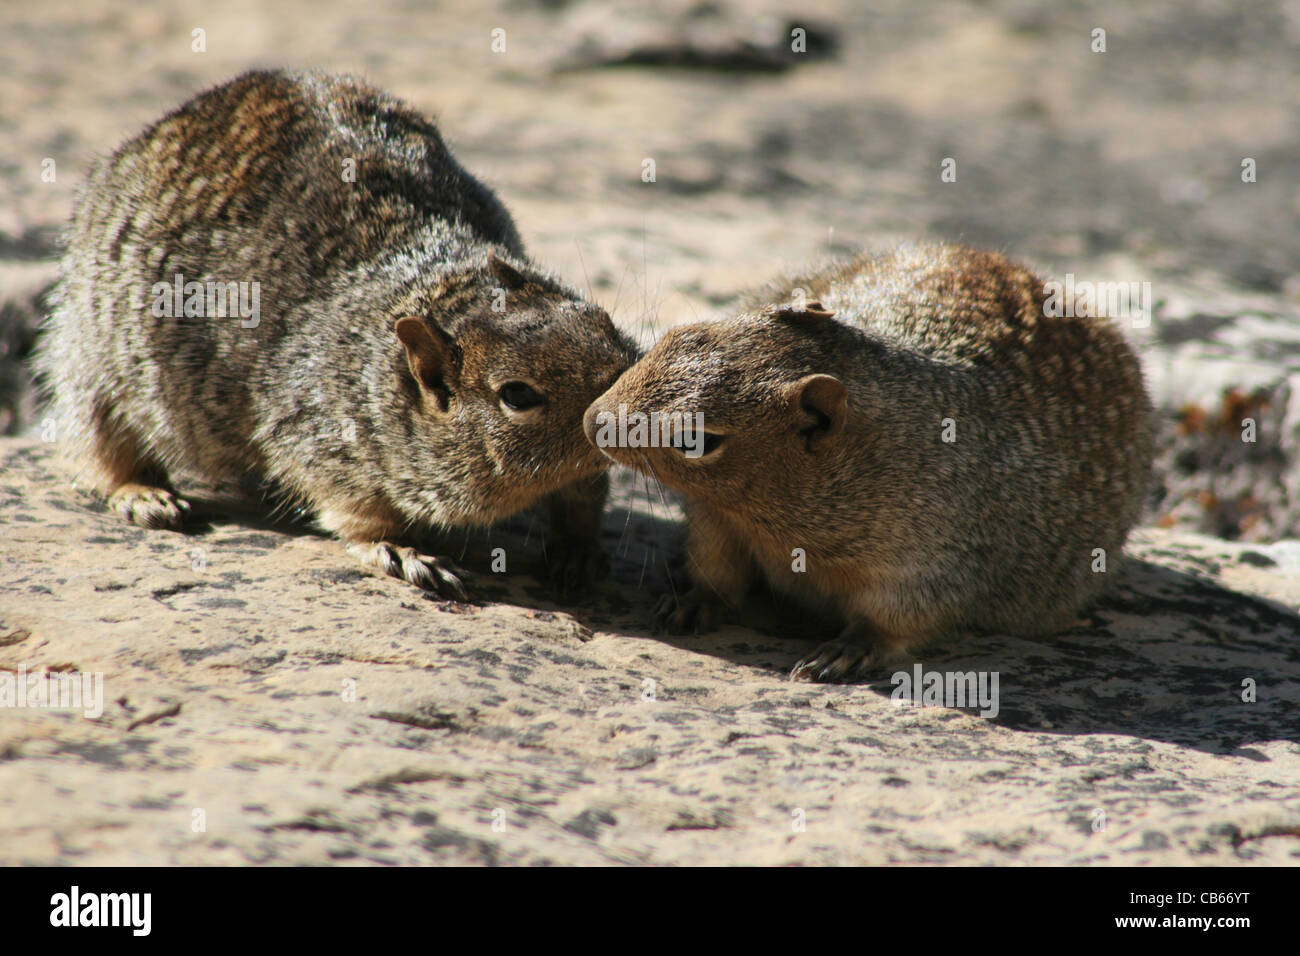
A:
x: 1123, y: 165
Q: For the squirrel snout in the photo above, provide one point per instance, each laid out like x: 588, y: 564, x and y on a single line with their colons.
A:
x: 590, y: 425
x: 596, y: 424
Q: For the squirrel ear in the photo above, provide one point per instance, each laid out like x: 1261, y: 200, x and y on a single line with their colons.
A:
x: 430, y: 354
x: 822, y: 404
x: 809, y: 313
x: 504, y: 270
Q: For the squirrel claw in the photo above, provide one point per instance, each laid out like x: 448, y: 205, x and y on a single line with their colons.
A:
x: 438, y: 575
x: 692, y: 612
x: 149, y: 507
x: 834, y: 661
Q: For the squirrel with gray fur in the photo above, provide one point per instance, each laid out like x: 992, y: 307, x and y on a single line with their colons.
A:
x: 403, y: 365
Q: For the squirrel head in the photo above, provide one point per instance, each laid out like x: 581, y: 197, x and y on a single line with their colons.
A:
x: 500, y: 362
x: 732, y: 410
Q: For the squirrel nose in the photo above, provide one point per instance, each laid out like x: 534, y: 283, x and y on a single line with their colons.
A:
x: 591, y: 420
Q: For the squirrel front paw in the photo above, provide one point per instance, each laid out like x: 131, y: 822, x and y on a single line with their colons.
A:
x: 837, y: 660
x: 696, y: 612
x: 438, y: 575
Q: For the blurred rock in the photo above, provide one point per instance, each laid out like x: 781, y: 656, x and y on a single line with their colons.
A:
x: 23, y: 303
x: 714, y: 37
x: 1233, y: 469
x: 1224, y: 367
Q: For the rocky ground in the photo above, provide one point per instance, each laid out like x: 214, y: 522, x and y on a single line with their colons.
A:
x: 267, y: 701
x: 258, y: 684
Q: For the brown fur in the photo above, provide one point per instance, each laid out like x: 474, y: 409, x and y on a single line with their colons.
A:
x: 831, y: 442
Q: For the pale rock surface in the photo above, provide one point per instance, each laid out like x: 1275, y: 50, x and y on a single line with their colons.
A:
x: 226, y: 703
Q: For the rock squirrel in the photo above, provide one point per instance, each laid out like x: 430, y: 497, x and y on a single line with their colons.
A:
x: 918, y: 446
x: 291, y: 277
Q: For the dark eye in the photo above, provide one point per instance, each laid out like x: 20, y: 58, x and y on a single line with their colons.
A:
x: 696, y: 448
x: 519, y: 396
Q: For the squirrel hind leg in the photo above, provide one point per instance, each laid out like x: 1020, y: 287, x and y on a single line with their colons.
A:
x: 149, y: 506
x: 136, y: 485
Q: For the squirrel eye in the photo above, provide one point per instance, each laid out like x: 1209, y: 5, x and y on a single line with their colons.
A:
x: 519, y: 396
x: 707, y: 447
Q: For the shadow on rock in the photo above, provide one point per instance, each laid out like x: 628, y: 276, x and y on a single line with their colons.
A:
x: 1166, y: 655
